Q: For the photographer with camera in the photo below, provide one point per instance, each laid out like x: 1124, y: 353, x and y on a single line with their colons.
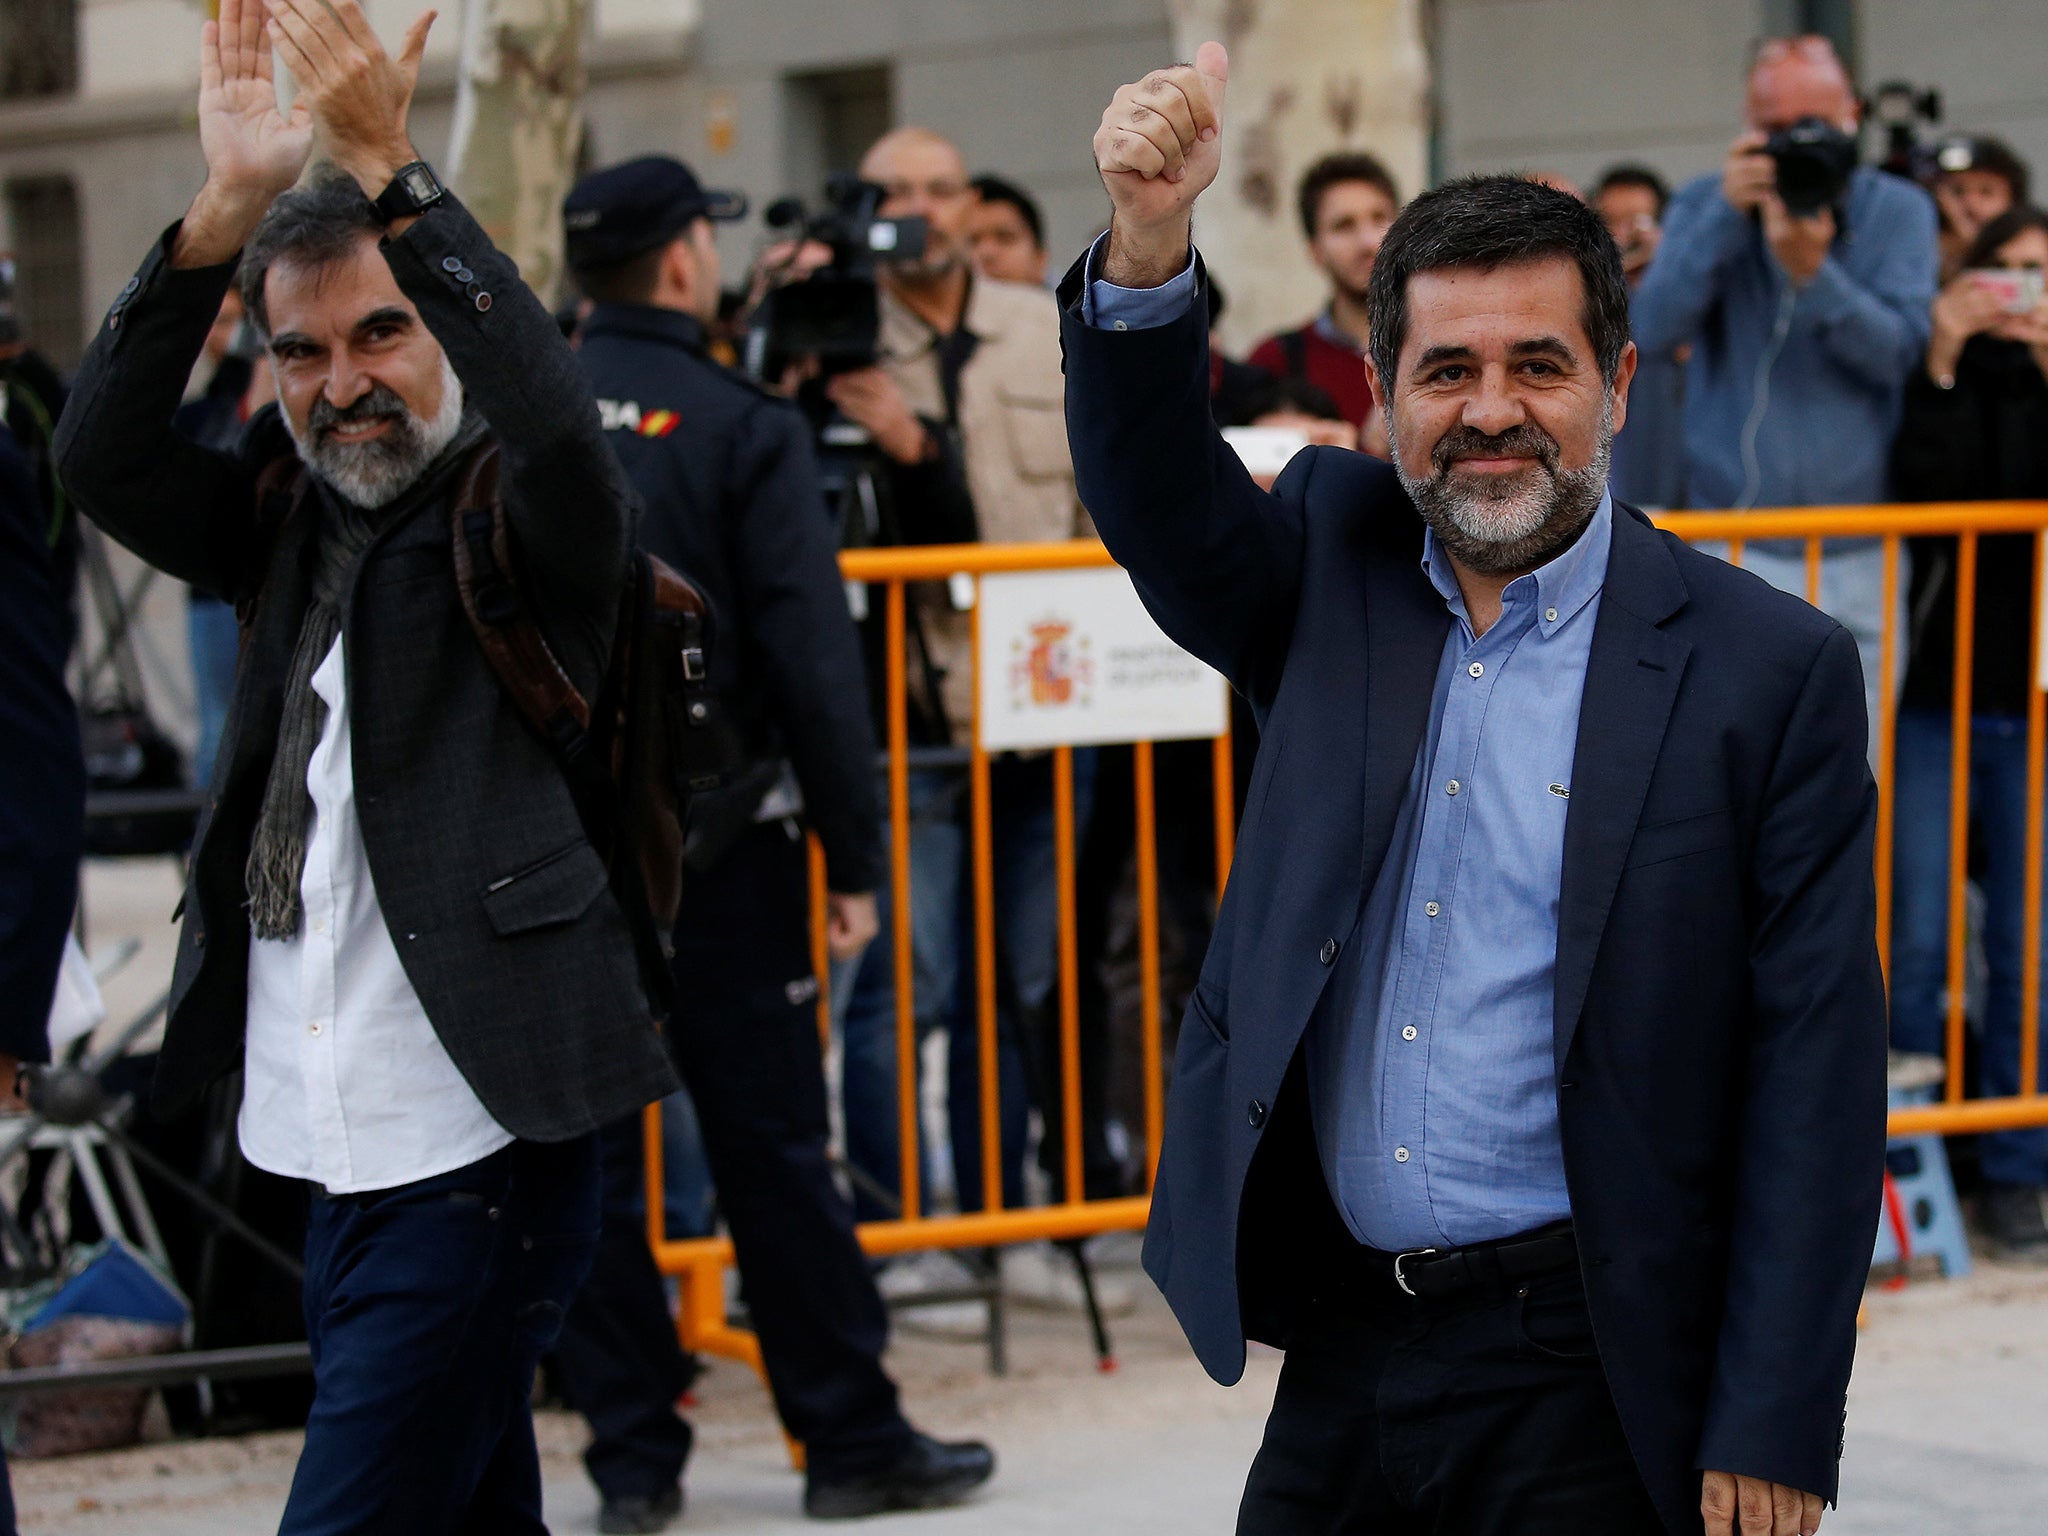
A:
x: 1801, y: 279
x: 965, y: 406
x: 1975, y: 428
x: 732, y: 496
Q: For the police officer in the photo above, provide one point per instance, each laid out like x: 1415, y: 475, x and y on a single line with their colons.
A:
x: 732, y: 497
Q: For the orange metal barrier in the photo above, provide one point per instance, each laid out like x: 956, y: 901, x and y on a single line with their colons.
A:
x: 702, y: 1264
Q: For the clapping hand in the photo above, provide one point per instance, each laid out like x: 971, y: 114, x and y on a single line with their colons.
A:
x: 253, y: 150
x: 1158, y: 148
x: 358, y: 94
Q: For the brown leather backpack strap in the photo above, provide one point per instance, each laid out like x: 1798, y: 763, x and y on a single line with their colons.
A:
x: 511, y: 641
x: 281, y: 485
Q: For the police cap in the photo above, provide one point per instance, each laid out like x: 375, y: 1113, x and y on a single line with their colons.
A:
x: 622, y: 210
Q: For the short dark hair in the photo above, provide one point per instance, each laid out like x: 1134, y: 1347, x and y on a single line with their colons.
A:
x: 993, y: 189
x: 2002, y: 160
x: 1486, y: 222
x: 1634, y: 176
x: 316, y: 224
x: 1334, y: 171
x: 631, y: 281
x: 2016, y: 220
x: 1280, y: 393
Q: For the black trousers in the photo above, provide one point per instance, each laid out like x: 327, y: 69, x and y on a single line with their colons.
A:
x: 1483, y: 1417
x: 745, y: 1039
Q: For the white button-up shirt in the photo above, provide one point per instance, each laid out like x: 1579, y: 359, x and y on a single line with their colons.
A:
x: 346, y: 1082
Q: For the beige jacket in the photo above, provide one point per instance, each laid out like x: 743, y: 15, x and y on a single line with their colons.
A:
x: 1013, y: 432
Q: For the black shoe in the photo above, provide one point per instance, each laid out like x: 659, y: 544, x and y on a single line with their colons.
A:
x: 2016, y: 1222
x: 929, y: 1474
x: 640, y: 1513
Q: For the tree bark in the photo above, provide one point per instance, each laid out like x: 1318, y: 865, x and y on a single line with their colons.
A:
x: 518, y: 125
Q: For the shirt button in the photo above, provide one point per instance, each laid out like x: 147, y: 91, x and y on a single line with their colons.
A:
x: 1477, y: 669
x: 1550, y: 614
x: 1120, y: 325
x: 313, y: 1029
x: 1430, y: 909
x: 1255, y: 1114
x: 1453, y: 787
x: 1408, y: 1032
x: 320, y: 925
x: 1400, y: 1154
x: 1329, y: 950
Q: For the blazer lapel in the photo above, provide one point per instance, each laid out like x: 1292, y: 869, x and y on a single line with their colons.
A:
x: 1632, y: 678
x: 1405, y: 623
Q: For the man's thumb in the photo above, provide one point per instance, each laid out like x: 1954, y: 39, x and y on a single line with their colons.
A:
x: 1212, y: 62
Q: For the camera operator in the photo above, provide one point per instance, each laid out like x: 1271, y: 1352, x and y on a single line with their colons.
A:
x: 1802, y: 281
x: 732, y: 497
x: 1975, y: 428
x: 967, y: 406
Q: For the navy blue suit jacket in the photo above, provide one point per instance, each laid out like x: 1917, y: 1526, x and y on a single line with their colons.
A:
x: 1720, y: 1017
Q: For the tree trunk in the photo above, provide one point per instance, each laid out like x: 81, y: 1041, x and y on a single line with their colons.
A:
x: 1306, y: 77
x: 518, y: 125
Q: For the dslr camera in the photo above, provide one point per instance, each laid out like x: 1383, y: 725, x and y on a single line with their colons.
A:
x: 1814, y: 160
x: 834, y: 313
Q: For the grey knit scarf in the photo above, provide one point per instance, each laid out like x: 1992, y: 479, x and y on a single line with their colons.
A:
x: 277, y: 852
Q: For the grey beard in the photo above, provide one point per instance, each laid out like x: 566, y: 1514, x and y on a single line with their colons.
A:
x: 378, y: 472
x: 1522, y: 526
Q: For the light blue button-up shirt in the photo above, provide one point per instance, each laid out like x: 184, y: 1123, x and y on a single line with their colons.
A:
x: 1433, y: 1084
x: 1435, y: 1092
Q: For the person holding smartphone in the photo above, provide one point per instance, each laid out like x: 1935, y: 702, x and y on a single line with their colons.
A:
x: 1975, y: 427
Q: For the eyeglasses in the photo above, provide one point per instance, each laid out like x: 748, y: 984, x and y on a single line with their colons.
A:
x: 937, y: 191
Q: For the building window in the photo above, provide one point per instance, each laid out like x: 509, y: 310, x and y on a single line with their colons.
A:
x: 48, y: 280
x: 832, y: 118
x: 38, y: 48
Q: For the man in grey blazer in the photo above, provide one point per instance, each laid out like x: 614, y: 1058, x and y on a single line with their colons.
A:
x: 394, y: 923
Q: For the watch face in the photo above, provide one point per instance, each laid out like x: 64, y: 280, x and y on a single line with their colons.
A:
x: 419, y: 183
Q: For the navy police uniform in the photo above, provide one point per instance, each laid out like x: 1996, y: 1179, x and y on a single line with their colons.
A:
x: 731, y: 491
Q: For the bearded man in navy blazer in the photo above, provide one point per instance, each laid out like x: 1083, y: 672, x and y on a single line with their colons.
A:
x: 1532, y: 1097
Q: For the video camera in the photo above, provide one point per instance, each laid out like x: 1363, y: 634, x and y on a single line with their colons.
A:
x: 1900, y: 108
x: 834, y: 313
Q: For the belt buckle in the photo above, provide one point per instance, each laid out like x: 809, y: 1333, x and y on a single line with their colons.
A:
x: 1400, y: 1279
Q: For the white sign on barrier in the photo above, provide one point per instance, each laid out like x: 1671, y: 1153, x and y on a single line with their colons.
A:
x: 1072, y: 657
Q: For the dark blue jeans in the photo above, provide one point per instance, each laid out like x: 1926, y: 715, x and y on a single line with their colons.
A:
x: 942, y: 942
x: 1920, y: 884
x: 427, y: 1307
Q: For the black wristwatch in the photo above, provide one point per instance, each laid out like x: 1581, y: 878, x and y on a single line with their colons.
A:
x: 413, y: 190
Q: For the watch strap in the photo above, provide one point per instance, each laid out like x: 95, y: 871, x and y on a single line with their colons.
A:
x: 413, y: 189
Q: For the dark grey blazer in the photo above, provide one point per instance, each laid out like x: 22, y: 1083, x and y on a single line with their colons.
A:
x: 497, y: 903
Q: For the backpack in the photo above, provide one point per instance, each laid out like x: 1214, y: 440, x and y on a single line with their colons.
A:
x: 655, y: 734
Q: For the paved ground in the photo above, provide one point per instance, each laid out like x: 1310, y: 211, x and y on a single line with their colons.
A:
x: 1945, y: 1438
x: 1946, y: 1424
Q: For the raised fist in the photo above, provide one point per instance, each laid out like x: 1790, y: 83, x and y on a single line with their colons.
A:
x: 1158, y: 148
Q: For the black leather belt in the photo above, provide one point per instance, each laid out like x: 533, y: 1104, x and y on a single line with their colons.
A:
x: 1438, y: 1274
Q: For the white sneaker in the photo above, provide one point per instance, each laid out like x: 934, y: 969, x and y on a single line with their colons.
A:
x: 906, y: 1281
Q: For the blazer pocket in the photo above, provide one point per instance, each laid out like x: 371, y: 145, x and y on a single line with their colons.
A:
x: 1210, y: 1020
x: 557, y: 889
x: 1667, y: 840
x: 1037, y: 427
